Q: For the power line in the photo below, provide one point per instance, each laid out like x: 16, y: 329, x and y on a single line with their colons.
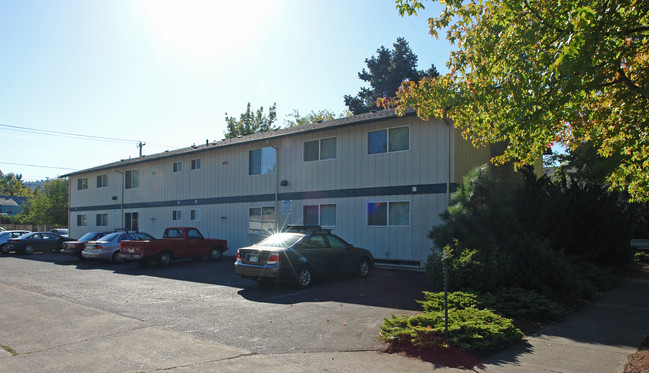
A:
x: 34, y: 165
x: 75, y: 135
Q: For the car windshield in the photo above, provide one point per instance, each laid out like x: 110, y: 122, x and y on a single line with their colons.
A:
x: 280, y: 240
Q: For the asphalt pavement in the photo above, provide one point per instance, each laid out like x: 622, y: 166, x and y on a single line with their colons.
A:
x: 44, y: 333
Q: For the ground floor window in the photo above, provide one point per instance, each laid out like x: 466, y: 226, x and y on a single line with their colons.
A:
x: 102, y: 220
x: 176, y: 215
x: 261, y: 219
x: 82, y: 220
x: 195, y: 215
x: 324, y: 215
x: 388, y: 213
x: 131, y: 221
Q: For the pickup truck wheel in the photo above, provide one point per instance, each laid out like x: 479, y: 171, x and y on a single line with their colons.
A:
x: 215, y: 254
x: 117, y: 259
x: 164, y: 258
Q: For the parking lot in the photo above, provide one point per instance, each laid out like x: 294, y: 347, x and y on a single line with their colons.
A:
x: 209, y: 301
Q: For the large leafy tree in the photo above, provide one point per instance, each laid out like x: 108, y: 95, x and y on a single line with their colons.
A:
x: 295, y: 119
x: 250, y: 122
x: 385, y: 73
x: 49, y: 205
x: 12, y: 184
x: 533, y: 73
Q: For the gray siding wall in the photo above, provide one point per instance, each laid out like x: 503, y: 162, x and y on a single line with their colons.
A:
x: 224, y: 192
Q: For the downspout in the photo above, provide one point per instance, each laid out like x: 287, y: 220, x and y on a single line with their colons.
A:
x: 448, y: 179
x: 121, y: 198
x: 69, y: 202
x: 276, y: 187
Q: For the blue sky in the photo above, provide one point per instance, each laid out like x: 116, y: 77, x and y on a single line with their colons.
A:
x: 166, y: 72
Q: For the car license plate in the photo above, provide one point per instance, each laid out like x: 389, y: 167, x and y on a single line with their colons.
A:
x: 253, y: 258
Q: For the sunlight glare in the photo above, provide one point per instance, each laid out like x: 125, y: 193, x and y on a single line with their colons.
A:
x: 203, y: 27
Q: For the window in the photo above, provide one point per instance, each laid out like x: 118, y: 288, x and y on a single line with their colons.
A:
x: 175, y: 215
x: 261, y: 219
x: 10, y: 210
x: 131, y: 179
x: 320, y: 149
x: 82, y: 183
x: 82, y: 220
x: 193, y: 233
x: 261, y: 161
x: 131, y: 221
x: 388, y: 213
x: 102, y: 181
x: 196, y: 164
x: 388, y: 140
x: 178, y: 166
x: 102, y: 220
x: 195, y: 215
x: 324, y: 215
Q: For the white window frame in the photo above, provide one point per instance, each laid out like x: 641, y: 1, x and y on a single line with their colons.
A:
x: 82, y: 220
x: 132, y: 214
x: 104, y: 181
x: 195, y: 214
x: 135, y: 178
x: 101, y: 220
x: 319, y: 141
x: 177, y: 166
x: 176, y: 215
x: 195, y: 164
x: 320, y: 213
x: 387, y: 145
x: 82, y: 183
x: 388, y: 222
x: 261, y: 211
x: 263, y: 170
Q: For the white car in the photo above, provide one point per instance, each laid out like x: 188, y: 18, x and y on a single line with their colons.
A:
x: 6, y: 236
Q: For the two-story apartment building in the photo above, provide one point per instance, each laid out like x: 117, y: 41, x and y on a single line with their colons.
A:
x: 378, y: 180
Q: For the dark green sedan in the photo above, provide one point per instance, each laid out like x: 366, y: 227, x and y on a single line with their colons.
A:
x: 302, y: 254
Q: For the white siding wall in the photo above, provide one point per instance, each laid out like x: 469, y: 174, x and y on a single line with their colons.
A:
x: 224, y: 173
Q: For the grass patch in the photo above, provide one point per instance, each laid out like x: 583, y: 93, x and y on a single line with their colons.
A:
x: 9, y: 349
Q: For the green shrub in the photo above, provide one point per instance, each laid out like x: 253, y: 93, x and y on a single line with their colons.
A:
x: 641, y: 257
x: 470, y: 329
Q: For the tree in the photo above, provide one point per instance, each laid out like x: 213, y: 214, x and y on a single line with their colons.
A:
x: 313, y: 117
x: 49, y: 205
x: 386, y: 72
x: 250, y: 123
x: 12, y: 184
x: 534, y: 73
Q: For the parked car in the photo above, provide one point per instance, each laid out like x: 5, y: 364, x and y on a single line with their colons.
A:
x: 107, y: 247
x: 74, y: 248
x: 176, y: 243
x: 302, y: 254
x: 63, y: 232
x: 5, y: 236
x: 36, y: 241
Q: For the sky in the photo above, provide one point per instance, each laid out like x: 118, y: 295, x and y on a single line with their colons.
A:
x: 83, y: 81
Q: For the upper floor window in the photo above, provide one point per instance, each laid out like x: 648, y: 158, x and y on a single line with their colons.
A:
x: 131, y: 179
x: 102, y: 181
x: 196, y: 164
x: 82, y: 183
x: 320, y: 149
x: 262, y: 161
x: 178, y: 166
x: 388, y: 140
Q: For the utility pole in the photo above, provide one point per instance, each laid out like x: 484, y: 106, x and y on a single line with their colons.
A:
x: 140, y: 145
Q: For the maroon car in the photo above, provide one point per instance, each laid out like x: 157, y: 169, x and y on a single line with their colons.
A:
x: 74, y: 248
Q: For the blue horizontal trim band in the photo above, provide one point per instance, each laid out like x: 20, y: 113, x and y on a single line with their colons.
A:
x: 336, y: 193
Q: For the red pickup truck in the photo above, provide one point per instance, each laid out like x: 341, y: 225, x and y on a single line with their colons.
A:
x: 177, y: 243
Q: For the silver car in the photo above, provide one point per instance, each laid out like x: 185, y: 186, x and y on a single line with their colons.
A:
x: 107, y: 247
x: 6, y: 235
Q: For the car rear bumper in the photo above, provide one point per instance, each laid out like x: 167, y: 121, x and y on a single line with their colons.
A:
x: 131, y: 256
x: 97, y: 254
x: 71, y: 252
x: 256, y: 271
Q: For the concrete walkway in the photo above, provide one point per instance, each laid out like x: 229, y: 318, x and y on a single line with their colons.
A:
x: 39, y: 333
